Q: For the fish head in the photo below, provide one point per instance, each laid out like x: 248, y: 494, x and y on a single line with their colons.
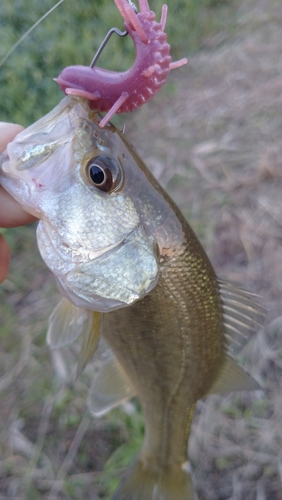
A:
x: 92, y: 198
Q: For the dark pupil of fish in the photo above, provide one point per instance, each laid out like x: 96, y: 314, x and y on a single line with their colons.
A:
x: 97, y: 175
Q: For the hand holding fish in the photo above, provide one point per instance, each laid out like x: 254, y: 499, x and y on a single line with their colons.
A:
x: 11, y: 213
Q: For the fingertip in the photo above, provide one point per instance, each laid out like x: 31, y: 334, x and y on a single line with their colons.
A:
x: 11, y: 213
x: 8, y: 132
x: 4, y: 258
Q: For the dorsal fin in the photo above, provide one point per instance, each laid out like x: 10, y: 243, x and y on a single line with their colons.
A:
x: 242, y: 312
x: 111, y: 387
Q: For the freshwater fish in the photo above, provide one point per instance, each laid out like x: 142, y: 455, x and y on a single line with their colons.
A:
x: 132, y: 270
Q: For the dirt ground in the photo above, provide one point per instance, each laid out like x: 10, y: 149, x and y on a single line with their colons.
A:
x: 217, y: 148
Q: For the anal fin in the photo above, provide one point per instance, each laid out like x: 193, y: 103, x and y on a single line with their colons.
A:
x: 233, y: 378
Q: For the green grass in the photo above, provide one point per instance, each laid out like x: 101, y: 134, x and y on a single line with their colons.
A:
x: 72, y: 33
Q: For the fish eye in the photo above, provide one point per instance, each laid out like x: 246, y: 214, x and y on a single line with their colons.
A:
x: 102, y: 172
x: 101, y: 177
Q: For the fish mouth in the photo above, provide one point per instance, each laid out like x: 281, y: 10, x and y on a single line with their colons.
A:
x: 20, y: 190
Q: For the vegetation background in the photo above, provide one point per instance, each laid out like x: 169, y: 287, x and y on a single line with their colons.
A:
x: 217, y: 149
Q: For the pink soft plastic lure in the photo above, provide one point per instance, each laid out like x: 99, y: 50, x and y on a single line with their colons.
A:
x: 122, y: 92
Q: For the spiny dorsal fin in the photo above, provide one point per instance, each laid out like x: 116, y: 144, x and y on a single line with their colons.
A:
x: 242, y: 312
x: 110, y: 387
x: 89, y: 342
x: 233, y: 378
x: 66, y: 323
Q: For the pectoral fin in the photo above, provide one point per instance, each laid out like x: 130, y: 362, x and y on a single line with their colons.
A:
x: 233, y: 378
x: 110, y: 388
x: 66, y: 323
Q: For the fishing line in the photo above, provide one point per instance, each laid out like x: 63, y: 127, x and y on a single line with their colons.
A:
x: 4, y: 59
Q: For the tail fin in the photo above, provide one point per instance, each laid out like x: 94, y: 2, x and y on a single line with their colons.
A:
x: 143, y: 483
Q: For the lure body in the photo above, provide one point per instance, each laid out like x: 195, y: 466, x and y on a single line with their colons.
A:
x: 122, y: 92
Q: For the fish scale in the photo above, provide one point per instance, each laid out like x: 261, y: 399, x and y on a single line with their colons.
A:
x: 173, y: 356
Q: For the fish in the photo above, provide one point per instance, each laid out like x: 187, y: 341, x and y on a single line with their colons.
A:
x: 132, y: 271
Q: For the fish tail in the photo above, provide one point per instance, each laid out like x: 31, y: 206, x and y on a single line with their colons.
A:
x: 142, y: 482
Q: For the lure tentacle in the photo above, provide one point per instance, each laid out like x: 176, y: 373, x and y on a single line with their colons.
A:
x: 92, y: 96
x: 131, y: 18
x: 144, y: 5
x: 114, y: 109
x: 119, y: 92
x: 163, y: 17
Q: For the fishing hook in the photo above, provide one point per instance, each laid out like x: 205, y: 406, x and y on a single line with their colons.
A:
x: 104, y: 43
x: 108, y: 36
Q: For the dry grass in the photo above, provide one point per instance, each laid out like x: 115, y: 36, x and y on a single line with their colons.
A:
x: 220, y: 137
x: 218, y: 132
